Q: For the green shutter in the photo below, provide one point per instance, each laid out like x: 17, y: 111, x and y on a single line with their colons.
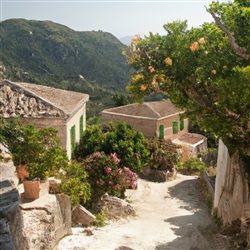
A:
x: 161, y: 131
x: 81, y: 126
x: 175, y: 127
x: 73, y: 137
x: 181, y: 123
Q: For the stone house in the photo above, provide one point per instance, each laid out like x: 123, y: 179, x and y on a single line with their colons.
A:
x: 159, y: 119
x: 46, y: 107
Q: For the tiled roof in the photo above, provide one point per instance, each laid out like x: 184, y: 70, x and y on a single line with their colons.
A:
x: 191, y: 138
x: 147, y: 109
x: 65, y: 100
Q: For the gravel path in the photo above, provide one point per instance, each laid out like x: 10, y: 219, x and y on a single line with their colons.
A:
x: 170, y: 216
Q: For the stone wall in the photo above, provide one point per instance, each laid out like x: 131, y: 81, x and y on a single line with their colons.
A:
x: 15, y: 101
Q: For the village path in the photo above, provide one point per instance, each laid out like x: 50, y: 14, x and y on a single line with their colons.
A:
x: 170, y: 216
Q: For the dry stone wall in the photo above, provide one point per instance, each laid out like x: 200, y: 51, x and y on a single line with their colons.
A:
x: 16, y: 101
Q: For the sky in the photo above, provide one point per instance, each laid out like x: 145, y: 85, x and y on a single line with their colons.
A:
x: 118, y: 17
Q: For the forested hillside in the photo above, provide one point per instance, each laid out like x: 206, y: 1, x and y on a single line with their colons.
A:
x: 51, y: 54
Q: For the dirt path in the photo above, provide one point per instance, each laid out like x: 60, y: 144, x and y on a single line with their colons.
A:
x: 170, y: 216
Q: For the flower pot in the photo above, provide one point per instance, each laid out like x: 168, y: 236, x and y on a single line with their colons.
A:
x: 31, y: 189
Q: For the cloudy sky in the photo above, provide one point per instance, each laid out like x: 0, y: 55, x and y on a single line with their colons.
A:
x: 119, y: 17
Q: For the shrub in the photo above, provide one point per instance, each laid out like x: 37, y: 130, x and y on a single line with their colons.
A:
x: 192, y: 165
x: 130, y: 145
x: 39, y: 150
x: 75, y: 184
x: 106, y: 176
x: 164, y: 154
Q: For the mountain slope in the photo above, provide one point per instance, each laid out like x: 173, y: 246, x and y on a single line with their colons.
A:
x: 48, y: 53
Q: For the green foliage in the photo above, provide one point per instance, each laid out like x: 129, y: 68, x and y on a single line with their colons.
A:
x: 106, y: 176
x: 39, y: 150
x: 193, y: 165
x: 130, y: 145
x: 100, y: 220
x: 202, y: 71
x: 74, y: 183
x: 10, y: 131
x: 92, y: 141
x: 120, y: 100
x: 164, y: 154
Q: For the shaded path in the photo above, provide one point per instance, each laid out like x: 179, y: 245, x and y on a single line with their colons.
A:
x: 171, y: 216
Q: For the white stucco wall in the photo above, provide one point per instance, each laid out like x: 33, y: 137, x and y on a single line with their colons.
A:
x: 223, y: 162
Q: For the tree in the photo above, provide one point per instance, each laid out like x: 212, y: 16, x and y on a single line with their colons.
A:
x: 205, y: 70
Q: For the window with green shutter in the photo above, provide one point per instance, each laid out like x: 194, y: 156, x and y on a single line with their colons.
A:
x: 81, y: 126
x: 161, y: 131
x: 175, y: 127
x: 181, y: 123
x: 73, y: 137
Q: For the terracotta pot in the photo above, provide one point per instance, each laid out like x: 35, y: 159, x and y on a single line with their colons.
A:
x: 31, y: 189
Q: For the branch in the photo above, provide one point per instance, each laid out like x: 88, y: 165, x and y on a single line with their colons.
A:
x: 240, y: 51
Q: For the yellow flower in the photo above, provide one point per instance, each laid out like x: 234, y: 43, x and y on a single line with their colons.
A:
x: 143, y: 87
x: 151, y: 69
x: 214, y: 71
x: 168, y: 61
x: 194, y: 46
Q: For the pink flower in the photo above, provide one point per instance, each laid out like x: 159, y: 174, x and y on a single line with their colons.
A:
x: 98, y: 182
x: 88, y: 167
x: 118, y: 186
x: 119, y: 171
x: 126, y: 169
x: 137, y: 155
x: 111, y: 183
x: 134, y: 184
x: 97, y: 154
x: 108, y: 170
x: 115, y: 158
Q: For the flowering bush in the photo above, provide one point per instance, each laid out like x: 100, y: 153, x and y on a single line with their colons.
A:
x: 164, y: 154
x: 106, y: 176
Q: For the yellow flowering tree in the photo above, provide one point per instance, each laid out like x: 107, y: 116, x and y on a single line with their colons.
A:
x: 205, y: 70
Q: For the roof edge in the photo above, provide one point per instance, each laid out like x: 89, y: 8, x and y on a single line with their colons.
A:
x: 39, y: 97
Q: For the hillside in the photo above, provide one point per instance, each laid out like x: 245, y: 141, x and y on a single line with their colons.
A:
x: 51, y: 54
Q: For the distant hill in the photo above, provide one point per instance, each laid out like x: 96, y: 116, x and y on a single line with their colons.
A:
x: 126, y: 40
x: 48, y: 53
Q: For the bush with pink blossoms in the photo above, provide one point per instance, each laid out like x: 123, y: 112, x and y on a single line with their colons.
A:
x: 105, y: 176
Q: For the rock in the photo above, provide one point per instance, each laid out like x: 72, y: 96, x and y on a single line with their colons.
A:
x: 7, y: 168
x: 88, y: 232
x: 40, y: 224
x: 8, y: 205
x: 53, y: 185
x: 114, y: 206
x: 162, y: 175
x: 82, y: 216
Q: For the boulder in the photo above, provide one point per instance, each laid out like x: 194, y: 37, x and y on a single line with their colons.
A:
x: 7, y: 168
x: 53, y: 185
x: 81, y: 215
x: 8, y: 205
x: 40, y: 224
x: 114, y: 207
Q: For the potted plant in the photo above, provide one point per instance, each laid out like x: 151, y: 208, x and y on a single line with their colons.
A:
x: 38, y: 155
